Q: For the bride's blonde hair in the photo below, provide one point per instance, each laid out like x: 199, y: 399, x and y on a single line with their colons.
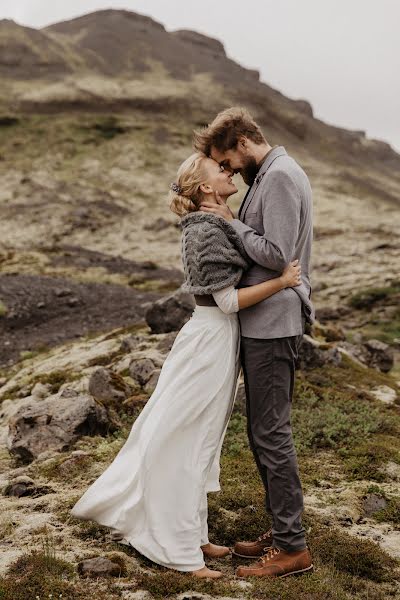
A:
x: 185, y: 194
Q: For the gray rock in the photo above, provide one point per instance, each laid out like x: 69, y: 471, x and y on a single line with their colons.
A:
x: 345, y: 520
x: 69, y: 393
x: 62, y: 291
x: 138, y: 595
x: 23, y: 485
x: 165, y: 345
x: 55, y: 424
x: 141, y: 369
x: 99, y: 567
x: 131, y: 342
x: 171, y: 313
x: 152, y: 382
x: 372, y: 503
x: 109, y: 388
x: 384, y: 393
x: 313, y: 354
x: 373, y: 354
x: 20, y: 486
x: 380, y: 355
x: 328, y: 313
x: 355, y: 352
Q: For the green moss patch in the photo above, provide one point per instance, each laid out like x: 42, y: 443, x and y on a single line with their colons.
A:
x: 348, y: 554
x: 367, y: 459
x: 165, y: 584
x: 3, y: 309
x: 367, y: 298
x: 38, y: 574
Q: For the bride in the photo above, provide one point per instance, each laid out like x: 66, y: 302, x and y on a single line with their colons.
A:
x: 154, y: 493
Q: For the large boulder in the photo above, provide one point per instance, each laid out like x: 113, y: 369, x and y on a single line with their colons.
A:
x: 372, y: 353
x: 56, y: 424
x: 171, y: 313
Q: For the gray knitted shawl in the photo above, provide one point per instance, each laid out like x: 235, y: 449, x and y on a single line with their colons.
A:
x: 213, y: 254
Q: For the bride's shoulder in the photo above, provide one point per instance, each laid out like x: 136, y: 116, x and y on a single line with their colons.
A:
x: 203, y: 222
x: 200, y: 217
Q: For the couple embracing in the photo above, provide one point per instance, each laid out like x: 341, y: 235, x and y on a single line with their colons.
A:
x: 249, y: 275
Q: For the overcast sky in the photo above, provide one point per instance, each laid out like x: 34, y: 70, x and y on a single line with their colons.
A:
x: 343, y: 56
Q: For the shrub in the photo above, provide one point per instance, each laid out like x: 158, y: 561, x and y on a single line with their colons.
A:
x: 358, y: 557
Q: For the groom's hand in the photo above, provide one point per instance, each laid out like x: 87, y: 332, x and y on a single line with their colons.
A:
x: 221, y: 208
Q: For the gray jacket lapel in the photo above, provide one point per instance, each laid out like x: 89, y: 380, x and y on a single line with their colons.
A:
x: 279, y: 151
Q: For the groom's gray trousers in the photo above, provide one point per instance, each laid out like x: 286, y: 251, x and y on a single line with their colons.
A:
x: 269, y: 372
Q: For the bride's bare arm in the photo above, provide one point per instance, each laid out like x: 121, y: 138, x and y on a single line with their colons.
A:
x: 256, y: 293
x: 231, y: 299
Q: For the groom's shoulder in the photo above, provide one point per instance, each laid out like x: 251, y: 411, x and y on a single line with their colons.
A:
x: 286, y: 165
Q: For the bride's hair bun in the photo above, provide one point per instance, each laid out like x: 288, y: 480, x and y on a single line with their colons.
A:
x: 185, y: 195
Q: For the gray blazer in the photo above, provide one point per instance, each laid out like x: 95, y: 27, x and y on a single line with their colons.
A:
x: 275, y: 225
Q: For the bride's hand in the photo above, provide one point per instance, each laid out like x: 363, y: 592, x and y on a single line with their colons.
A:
x: 291, y: 276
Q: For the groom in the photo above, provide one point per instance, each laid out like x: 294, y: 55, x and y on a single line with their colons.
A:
x: 275, y: 225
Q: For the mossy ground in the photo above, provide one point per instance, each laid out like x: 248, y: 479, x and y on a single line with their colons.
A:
x: 342, y: 435
x: 382, y: 305
x: 36, y: 575
x: 345, y: 566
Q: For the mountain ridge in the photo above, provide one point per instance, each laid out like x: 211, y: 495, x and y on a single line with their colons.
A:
x: 123, y: 47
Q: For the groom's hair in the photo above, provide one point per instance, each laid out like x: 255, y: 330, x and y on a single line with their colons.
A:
x: 224, y: 132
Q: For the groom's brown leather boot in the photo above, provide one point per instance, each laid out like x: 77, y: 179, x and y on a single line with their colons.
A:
x: 279, y: 563
x: 253, y: 549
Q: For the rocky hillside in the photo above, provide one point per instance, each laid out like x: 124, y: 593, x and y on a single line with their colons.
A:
x: 96, y: 114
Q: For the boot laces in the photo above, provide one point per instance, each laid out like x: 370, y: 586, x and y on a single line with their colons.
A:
x: 271, y: 552
x: 265, y: 535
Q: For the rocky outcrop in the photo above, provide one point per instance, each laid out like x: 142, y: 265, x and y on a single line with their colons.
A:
x: 55, y: 424
x: 203, y: 41
x: 379, y: 355
x: 372, y: 353
x: 313, y: 354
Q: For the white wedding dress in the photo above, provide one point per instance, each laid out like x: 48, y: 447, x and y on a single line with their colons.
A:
x: 154, y: 493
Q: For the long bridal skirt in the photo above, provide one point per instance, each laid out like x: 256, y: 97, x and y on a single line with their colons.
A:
x: 154, y: 493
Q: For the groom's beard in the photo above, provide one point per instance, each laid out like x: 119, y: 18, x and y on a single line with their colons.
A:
x: 249, y: 171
